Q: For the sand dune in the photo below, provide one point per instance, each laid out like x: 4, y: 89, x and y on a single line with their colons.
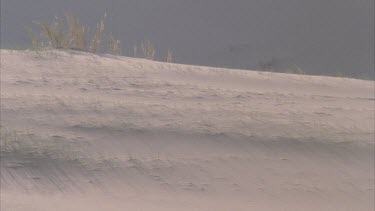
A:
x: 98, y: 132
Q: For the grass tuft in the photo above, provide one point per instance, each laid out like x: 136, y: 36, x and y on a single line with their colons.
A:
x: 170, y: 56
x: 98, y: 36
x: 114, y: 45
x: 69, y: 33
x: 76, y: 33
x: 148, y: 50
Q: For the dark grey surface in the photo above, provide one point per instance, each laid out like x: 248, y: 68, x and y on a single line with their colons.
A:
x: 321, y: 36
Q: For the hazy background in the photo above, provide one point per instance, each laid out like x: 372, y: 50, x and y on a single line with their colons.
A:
x: 330, y: 37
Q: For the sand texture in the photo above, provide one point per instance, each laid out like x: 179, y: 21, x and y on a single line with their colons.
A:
x: 98, y: 132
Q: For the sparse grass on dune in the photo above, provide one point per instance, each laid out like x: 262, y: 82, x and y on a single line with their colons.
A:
x: 69, y: 33
x: 170, y: 56
x: 148, y: 50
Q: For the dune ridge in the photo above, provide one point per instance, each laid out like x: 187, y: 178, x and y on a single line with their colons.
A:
x: 109, y: 132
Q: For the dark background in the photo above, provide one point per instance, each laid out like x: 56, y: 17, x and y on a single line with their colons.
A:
x: 329, y: 37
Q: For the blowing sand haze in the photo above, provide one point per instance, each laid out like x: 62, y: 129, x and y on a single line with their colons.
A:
x: 99, y: 132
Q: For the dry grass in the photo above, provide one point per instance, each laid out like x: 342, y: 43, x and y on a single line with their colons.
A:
x: 170, y: 56
x: 76, y: 33
x: 69, y: 33
x: 295, y: 69
x: 148, y: 50
x: 33, y: 38
x: 114, y: 45
x: 98, y: 36
x: 135, y: 50
x: 54, y: 33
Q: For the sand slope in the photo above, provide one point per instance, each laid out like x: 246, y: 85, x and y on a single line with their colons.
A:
x: 88, y: 132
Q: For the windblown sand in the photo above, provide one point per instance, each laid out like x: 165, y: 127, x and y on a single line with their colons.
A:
x: 88, y: 132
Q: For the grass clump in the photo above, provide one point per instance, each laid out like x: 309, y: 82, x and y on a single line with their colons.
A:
x: 170, y: 56
x: 76, y: 34
x: 148, y: 50
x: 114, y: 45
x: 295, y: 69
x: 277, y: 65
x: 54, y: 32
x: 98, y: 36
x: 69, y: 33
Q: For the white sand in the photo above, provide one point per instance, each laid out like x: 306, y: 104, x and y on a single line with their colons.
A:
x: 88, y: 132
